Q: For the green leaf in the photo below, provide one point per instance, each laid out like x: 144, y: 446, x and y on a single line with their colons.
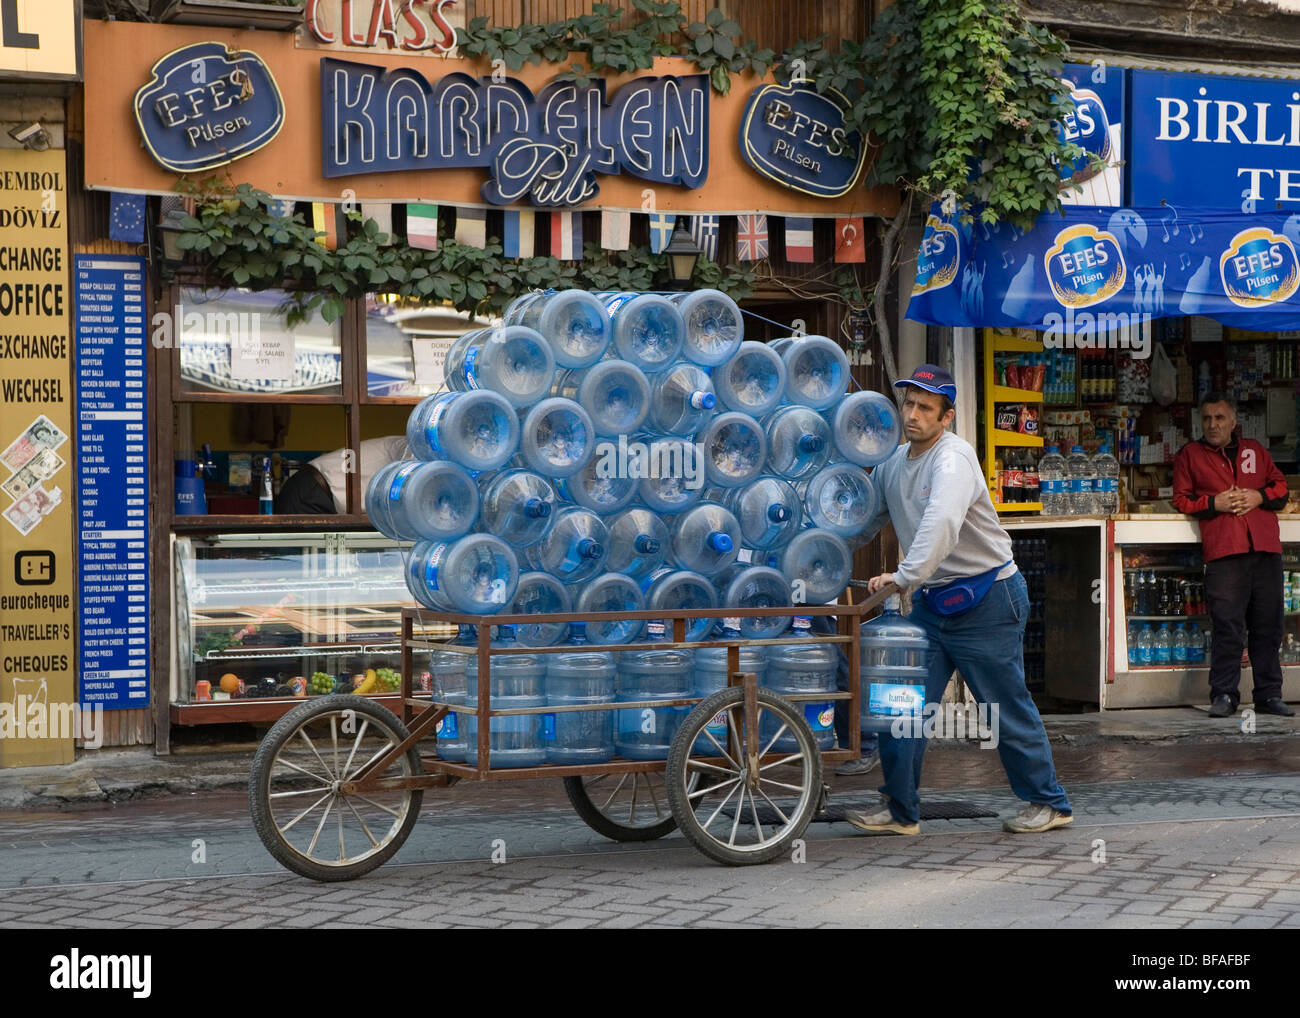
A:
x: 703, y: 44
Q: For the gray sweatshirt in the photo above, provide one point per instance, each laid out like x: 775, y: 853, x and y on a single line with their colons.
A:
x: 943, y: 516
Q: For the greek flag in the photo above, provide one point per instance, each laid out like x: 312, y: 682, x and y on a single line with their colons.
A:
x: 704, y: 231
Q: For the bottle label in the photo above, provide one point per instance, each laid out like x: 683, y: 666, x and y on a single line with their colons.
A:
x: 892, y: 699
x: 718, y: 726
x: 649, y: 581
x: 1106, y: 484
x: 399, y: 481
x: 431, y: 566
x: 820, y: 716
x: 447, y: 728
x: 612, y: 304
x: 731, y: 622
x: 471, y: 356
x: 548, y: 727
x: 802, y: 623
x: 654, y: 629
x: 431, y: 429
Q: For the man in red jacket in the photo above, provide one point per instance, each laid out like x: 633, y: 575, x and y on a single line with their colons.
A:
x: 1233, y: 487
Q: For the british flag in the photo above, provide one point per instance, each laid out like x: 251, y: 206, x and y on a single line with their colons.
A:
x: 751, y: 238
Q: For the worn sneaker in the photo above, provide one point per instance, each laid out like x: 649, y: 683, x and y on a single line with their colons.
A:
x: 865, y: 764
x: 1222, y: 706
x: 880, y: 822
x: 1035, y: 819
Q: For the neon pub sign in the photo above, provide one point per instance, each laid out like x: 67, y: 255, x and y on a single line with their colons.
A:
x: 544, y: 148
x: 412, y: 25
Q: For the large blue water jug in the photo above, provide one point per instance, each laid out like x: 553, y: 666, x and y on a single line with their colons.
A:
x: 672, y: 476
x: 816, y: 372
x: 600, y: 486
x: 711, y: 677
x: 895, y: 655
x: 379, y: 509
x: 741, y: 585
x: 574, y: 549
x: 648, y: 329
x: 612, y: 592
x: 516, y: 681
x: 842, y: 498
x: 437, y: 500
x: 769, y: 510
x: 615, y: 393
x: 518, y: 506
x: 646, y: 676
x: 797, y: 668
x: 799, y: 442
x: 573, y: 321
x: 714, y: 326
x: 752, y: 381
x: 680, y: 589
x: 540, y: 594
x: 681, y: 400
x: 577, y: 679
x: 447, y: 675
x: 514, y: 361
x: 867, y: 428
x: 557, y: 438
x: 705, y: 539
x: 734, y: 449
x: 479, y: 430
x: 638, y: 542
x: 817, y: 564
x: 476, y: 574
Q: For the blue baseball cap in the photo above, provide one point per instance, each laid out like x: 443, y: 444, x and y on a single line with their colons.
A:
x: 931, y: 378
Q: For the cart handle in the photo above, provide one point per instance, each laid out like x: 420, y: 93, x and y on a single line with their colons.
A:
x: 879, y: 597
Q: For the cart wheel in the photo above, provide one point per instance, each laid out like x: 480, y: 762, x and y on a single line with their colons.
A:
x: 303, y: 818
x: 732, y: 813
x: 623, y: 807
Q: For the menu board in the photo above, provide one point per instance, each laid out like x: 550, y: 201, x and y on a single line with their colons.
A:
x: 112, y: 502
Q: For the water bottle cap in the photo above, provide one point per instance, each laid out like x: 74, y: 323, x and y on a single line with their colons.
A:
x: 1077, y: 448
x: 810, y: 443
x: 1054, y: 449
x: 537, y: 508
x: 588, y: 548
x: 719, y: 541
x: 703, y: 400
x: 893, y: 603
x: 778, y: 513
x: 578, y: 632
x: 646, y: 545
x: 506, y: 632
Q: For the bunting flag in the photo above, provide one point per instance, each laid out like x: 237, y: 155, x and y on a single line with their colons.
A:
x: 661, y: 230
x: 519, y: 234
x: 171, y: 203
x: 126, y: 217
x: 850, y: 239
x: 325, y: 221
x: 704, y: 231
x: 751, y: 238
x: 471, y: 227
x: 382, y: 214
x: 798, y: 239
x: 566, y: 236
x: 615, y: 227
x: 282, y: 207
x: 422, y: 226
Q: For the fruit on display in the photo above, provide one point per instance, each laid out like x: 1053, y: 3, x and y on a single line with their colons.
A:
x: 229, y: 683
x: 368, y: 686
x: 389, y: 680
x: 321, y: 683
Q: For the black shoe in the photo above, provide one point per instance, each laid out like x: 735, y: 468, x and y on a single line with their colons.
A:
x: 1222, y: 706
x: 1276, y: 706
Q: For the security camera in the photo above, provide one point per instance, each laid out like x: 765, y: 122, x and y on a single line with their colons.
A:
x: 32, y: 136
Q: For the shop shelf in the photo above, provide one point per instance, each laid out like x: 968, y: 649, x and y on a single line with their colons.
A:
x: 1003, y: 343
x: 1021, y: 507
x: 1006, y: 394
x: 1006, y: 438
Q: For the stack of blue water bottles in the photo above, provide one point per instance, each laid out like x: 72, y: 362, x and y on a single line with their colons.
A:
x: 603, y: 452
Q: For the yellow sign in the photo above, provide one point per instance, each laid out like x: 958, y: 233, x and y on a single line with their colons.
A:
x: 40, y: 39
x: 39, y: 716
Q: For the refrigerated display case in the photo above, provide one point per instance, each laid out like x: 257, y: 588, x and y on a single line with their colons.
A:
x: 263, y: 620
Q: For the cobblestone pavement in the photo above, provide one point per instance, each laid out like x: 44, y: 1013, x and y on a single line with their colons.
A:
x: 1197, y: 852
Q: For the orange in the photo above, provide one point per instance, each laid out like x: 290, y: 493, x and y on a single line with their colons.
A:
x: 229, y: 683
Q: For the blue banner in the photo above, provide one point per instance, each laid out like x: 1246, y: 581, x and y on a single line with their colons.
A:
x: 1096, y: 271
x: 112, y: 504
x: 1097, y: 126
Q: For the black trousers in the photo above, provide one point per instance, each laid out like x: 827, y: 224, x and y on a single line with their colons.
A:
x: 1245, y: 601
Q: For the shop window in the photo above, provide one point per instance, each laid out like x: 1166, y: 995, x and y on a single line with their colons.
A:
x: 406, y: 344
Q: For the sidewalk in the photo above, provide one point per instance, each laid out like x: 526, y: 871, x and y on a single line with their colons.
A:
x: 116, y: 775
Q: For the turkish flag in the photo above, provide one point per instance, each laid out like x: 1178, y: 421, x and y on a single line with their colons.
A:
x: 850, y: 239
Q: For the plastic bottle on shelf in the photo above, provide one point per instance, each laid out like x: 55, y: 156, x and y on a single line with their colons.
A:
x: 1134, y: 630
x: 711, y: 673
x: 752, y: 381
x: 797, y: 668
x: 734, y: 448
x: 1105, y: 472
x: 479, y: 430
x: 1079, y: 471
x: 612, y: 592
x: 866, y: 428
x: 646, y: 676
x: 681, y: 400
x: 436, y: 500
x: 648, y: 329
x: 518, y: 506
x: 597, y: 488
x: 447, y: 673
x: 843, y: 499
x: 573, y: 679
x: 615, y: 393
x: 714, y: 326
x: 816, y: 372
x: 540, y: 593
x: 817, y: 563
x: 557, y: 437
x: 1179, y: 650
x: 676, y: 479
x: 574, y: 549
x: 705, y: 539
x: 799, y: 442
x: 378, y: 507
x: 476, y: 574
x: 670, y: 589
x: 1146, y: 646
x: 515, y: 681
x: 769, y: 510
x: 514, y: 361
x: 749, y: 586
x: 1051, y: 483
x: 638, y: 540
x: 1164, y: 645
x: 573, y: 321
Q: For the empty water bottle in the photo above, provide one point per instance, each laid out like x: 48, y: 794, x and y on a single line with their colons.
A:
x: 479, y: 430
x: 711, y: 675
x: 516, y: 681
x: 574, y: 549
x: 797, y: 669
x: 638, y: 542
x: 680, y: 590
x: 540, y: 594
x: 447, y: 676
x: 648, y: 329
x: 672, y: 472
x: 573, y: 321
x: 705, y: 539
x: 518, y: 506
x: 599, y: 486
x: 769, y: 511
x: 866, y: 428
x: 752, y: 381
x: 557, y: 437
x: 649, y: 676
x: 798, y: 442
x: 1105, y: 482
x: 714, y: 326
x: 476, y: 574
x: 1052, y: 483
x: 681, y: 400
x: 783, y: 344
x: 734, y: 449
x: 615, y: 393
x: 1078, y: 469
x: 816, y: 372
x: 574, y: 679
x: 817, y: 564
x: 895, y: 657
x: 750, y: 586
x: 437, y: 500
x: 842, y: 499
x: 378, y: 507
x: 612, y: 592
x: 514, y: 361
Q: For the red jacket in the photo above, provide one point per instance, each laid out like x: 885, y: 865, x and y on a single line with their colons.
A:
x: 1202, y: 471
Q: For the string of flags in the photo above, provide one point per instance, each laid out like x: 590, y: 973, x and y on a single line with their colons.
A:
x: 753, y: 239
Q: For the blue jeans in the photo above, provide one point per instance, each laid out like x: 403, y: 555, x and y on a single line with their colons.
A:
x: 986, y: 645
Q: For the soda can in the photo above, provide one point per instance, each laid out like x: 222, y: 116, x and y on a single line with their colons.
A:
x: 203, y: 690
x: 425, y: 682
x: 299, y: 685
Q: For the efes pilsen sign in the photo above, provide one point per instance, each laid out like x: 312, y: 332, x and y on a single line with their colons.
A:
x: 207, y: 106
x: 796, y: 136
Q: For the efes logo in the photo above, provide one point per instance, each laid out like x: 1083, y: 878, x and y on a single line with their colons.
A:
x: 939, y: 258
x: 1088, y: 127
x: 1259, y: 267
x: 1084, y: 266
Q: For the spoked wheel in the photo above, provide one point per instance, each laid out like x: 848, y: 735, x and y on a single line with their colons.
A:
x: 738, y: 810
x: 301, y: 813
x: 623, y: 807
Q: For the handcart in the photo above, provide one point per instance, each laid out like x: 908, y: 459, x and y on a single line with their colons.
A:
x: 337, y: 783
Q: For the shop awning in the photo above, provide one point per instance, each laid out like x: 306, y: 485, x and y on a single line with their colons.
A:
x: 1091, y: 268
